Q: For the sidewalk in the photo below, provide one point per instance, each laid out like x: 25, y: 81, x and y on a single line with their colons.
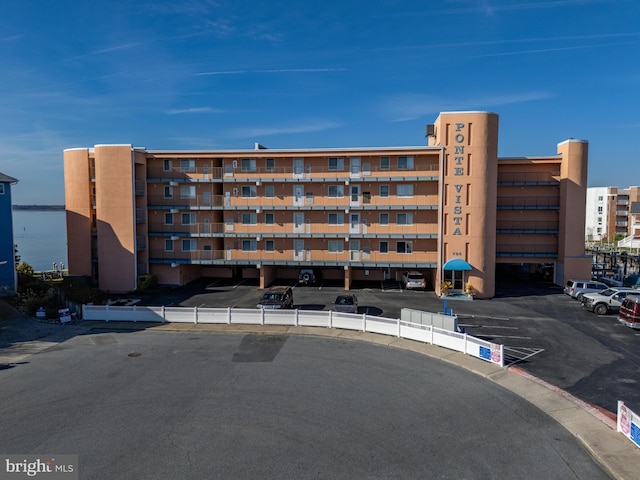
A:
x: 21, y: 336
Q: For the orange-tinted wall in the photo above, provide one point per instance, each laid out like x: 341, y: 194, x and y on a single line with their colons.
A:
x: 77, y: 193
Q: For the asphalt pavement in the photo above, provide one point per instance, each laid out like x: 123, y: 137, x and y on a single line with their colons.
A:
x: 416, y: 412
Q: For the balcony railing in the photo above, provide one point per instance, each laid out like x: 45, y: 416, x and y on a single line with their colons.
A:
x: 508, y: 250
x: 292, y: 230
x: 527, y: 227
x: 528, y: 203
x: 287, y: 256
x: 141, y: 242
x: 528, y: 178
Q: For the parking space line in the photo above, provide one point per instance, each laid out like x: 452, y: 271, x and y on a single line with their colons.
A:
x: 470, y: 325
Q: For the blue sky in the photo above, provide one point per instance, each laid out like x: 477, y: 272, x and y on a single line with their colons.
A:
x: 224, y: 74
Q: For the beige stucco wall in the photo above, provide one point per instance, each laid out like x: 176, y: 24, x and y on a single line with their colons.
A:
x: 115, y: 214
x: 469, y: 179
x: 77, y: 192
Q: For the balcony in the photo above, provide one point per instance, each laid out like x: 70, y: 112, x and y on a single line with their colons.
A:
x: 528, y: 178
x: 141, y: 243
x: 140, y: 215
x: 528, y: 203
x: 531, y: 251
x: 528, y: 227
x: 195, y: 174
x: 139, y: 187
x: 291, y: 257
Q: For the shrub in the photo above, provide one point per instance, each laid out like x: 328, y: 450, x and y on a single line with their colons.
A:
x: 147, y: 282
x: 25, y: 268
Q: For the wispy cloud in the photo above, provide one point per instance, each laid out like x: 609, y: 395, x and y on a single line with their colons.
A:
x: 557, y: 49
x: 181, y: 111
x: 488, y: 8
x: 312, y: 126
x: 102, y: 51
x: 402, y: 108
x: 274, y: 70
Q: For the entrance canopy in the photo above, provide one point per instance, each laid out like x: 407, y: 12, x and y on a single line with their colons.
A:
x: 456, y: 264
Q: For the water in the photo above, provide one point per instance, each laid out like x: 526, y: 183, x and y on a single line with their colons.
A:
x: 41, y: 236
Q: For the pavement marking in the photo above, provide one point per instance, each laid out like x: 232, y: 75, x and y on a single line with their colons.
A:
x: 520, y: 354
x: 488, y: 326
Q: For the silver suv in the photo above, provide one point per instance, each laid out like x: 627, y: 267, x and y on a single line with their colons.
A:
x: 607, y: 300
x: 577, y: 288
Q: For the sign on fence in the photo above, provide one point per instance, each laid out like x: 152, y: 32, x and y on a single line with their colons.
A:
x: 628, y: 423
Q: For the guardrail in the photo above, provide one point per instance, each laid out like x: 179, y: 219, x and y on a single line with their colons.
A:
x: 460, y: 342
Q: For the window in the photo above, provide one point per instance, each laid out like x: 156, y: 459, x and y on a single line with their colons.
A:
x: 249, y: 245
x: 336, y: 164
x: 188, y: 191
x: 168, y: 192
x: 384, y: 191
x: 187, y: 165
x: 336, y: 219
x: 404, y: 219
x: 335, y: 246
x: 600, y: 198
x: 405, y: 190
x: 249, y: 218
x: 248, y: 165
x: 188, y: 219
x: 249, y: 191
x: 384, y: 163
x: 1, y: 188
x: 166, y: 165
x: 269, y: 218
x: 269, y: 245
x: 384, y: 247
x: 168, y: 218
x: 405, y: 163
x: 270, y: 164
x: 599, y: 209
x: 404, y: 247
x: 269, y: 191
x: 189, y: 245
x: 384, y: 219
x: 336, y: 191
x: 168, y: 245
x: 599, y: 219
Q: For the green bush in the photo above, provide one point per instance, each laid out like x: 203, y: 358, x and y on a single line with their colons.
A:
x: 25, y: 268
x: 147, y: 283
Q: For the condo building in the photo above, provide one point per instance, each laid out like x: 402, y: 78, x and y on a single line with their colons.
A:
x: 613, y: 212
x: 8, y: 275
x: 450, y: 209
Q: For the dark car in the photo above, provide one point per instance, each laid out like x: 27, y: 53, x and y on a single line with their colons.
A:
x: 277, y: 297
x: 309, y: 276
x: 346, y: 303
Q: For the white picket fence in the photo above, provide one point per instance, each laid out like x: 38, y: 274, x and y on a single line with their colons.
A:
x: 461, y: 342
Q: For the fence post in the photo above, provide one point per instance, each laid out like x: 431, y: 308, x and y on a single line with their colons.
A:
x: 398, y: 328
x: 465, y: 343
x: 262, y: 316
x: 330, y: 318
x: 296, y: 317
x: 501, y: 355
x: 195, y: 315
x: 364, y: 322
x: 106, y: 313
x: 229, y: 315
x: 164, y: 316
x: 431, y: 330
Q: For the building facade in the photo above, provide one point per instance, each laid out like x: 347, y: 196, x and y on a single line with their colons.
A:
x: 8, y: 276
x: 451, y: 209
x: 610, y: 213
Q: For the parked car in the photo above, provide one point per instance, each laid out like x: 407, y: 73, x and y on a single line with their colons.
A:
x: 277, y: 297
x: 629, y: 313
x: 346, y: 303
x: 414, y: 281
x: 607, y: 300
x: 309, y: 276
x: 577, y: 288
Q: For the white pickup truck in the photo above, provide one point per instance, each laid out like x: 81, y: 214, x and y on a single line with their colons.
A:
x: 607, y: 300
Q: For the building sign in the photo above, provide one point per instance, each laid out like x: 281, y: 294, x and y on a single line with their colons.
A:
x: 458, y: 171
x: 629, y: 423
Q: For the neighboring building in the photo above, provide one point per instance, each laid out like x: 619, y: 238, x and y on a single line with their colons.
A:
x: 451, y: 209
x: 610, y: 212
x: 8, y: 277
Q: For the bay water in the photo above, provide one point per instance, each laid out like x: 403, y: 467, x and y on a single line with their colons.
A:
x: 41, y: 236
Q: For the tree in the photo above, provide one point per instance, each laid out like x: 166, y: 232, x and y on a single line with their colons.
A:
x: 25, y: 268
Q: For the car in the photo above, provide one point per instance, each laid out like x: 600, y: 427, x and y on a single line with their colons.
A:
x: 577, y: 288
x: 607, y: 300
x: 309, y: 276
x: 276, y: 298
x: 629, y: 313
x: 346, y: 303
x: 414, y: 281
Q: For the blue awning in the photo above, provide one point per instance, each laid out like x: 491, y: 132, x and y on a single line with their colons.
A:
x: 456, y: 264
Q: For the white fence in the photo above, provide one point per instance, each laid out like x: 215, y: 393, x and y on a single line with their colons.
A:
x: 461, y: 342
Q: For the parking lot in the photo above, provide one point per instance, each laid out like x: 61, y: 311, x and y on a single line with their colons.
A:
x: 543, y: 331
